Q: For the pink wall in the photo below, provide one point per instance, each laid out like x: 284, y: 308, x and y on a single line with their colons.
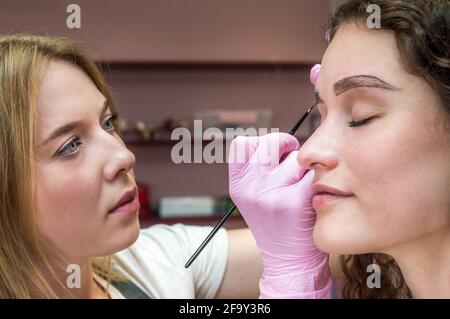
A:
x: 142, y: 34
x: 181, y: 30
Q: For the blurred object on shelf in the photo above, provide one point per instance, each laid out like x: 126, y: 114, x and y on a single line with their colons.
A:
x: 236, y: 212
x: 122, y: 125
x: 223, y: 204
x: 146, y: 131
x: 170, y: 123
x: 223, y: 119
x: 144, y: 200
x: 141, y: 131
x: 176, y: 206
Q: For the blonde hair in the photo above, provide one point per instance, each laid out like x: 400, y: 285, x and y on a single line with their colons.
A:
x: 24, y: 263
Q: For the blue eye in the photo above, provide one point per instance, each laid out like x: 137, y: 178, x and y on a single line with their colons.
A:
x: 110, y: 123
x: 354, y: 123
x: 70, y: 148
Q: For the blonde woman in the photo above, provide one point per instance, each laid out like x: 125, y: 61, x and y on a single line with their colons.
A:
x: 68, y: 194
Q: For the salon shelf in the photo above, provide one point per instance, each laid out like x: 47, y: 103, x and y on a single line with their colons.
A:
x: 167, y: 142
x: 233, y: 222
x: 163, y: 142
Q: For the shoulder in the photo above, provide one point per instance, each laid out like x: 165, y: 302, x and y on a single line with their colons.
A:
x: 170, y: 245
x: 178, y: 239
x: 156, y: 260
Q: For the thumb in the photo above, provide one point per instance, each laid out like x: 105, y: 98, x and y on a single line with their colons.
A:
x: 289, y: 171
x: 271, y: 149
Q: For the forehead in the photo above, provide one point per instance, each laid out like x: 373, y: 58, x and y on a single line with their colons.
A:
x: 356, y: 49
x: 66, y: 93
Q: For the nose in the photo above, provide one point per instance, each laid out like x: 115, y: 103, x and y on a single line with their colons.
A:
x: 120, y: 160
x: 318, y: 152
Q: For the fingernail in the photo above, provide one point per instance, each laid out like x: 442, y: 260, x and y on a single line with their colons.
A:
x: 314, y: 73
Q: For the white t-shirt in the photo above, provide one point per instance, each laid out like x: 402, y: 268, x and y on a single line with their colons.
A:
x: 155, y: 262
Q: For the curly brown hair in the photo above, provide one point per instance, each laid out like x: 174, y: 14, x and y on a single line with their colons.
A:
x: 422, y: 32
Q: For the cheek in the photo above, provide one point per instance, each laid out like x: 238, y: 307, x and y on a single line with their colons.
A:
x: 66, y: 203
x: 62, y: 190
x: 401, y: 177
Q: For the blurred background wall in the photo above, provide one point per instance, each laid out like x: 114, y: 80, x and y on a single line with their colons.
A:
x: 171, y: 58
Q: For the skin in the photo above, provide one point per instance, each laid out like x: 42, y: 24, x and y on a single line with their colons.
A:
x: 75, y: 191
x: 395, y: 166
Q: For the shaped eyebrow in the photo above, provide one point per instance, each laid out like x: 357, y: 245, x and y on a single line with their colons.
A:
x: 362, y: 80
x: 357, y: 81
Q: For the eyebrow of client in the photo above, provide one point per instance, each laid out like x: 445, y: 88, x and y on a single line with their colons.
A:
x: 358, y: 81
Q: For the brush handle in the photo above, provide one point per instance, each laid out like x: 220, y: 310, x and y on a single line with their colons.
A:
x: 210, y: 236
x: 232, y: 208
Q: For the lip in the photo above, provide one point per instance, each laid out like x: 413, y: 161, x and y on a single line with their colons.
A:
x: 327, y: 195
x: 322, y: 188
x: 128, y: 203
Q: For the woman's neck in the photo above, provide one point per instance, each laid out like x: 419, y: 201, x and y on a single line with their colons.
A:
x: 425, y: 265
x: 77, y: 281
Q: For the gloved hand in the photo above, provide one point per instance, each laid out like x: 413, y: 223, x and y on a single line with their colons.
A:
x: 275, y: 200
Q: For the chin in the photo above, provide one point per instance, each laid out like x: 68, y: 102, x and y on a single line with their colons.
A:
x: 130, y: 235
x: 338, y: 239
x: 123, y: 238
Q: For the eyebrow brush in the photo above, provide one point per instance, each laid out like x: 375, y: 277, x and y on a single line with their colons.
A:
x: 233, y: 207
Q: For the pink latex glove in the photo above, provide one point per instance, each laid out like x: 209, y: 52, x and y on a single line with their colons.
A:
x: 275, y: 201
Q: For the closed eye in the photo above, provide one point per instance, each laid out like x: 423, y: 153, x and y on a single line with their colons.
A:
x: 354, y: 123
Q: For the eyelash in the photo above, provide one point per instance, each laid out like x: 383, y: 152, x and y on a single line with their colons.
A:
x: 62, y: 152
x: 354, y: 123
x: 113, y: 119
